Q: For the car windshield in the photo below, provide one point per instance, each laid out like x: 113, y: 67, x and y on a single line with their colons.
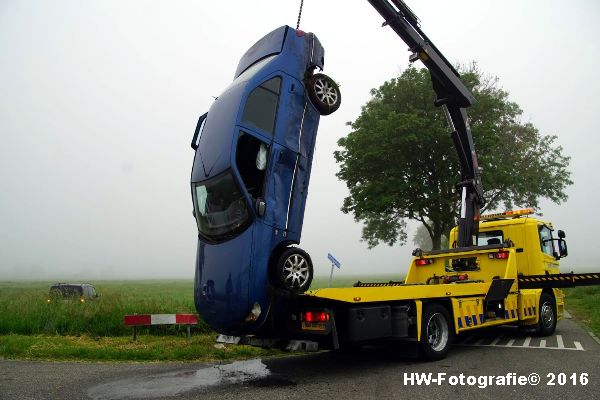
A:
x: 221, y: 210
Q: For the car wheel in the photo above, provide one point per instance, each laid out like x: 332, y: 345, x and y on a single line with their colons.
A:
x: 436, y: 332
x: 324, y: 93
x: 294, y: 270
x: 547, y: 315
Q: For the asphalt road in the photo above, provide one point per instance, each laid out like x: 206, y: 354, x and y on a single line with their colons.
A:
x: 369, y: 373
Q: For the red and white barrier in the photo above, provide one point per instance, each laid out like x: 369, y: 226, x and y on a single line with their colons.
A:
x: 160, y: 319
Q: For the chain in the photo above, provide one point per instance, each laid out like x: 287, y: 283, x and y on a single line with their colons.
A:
x: 299, y: 14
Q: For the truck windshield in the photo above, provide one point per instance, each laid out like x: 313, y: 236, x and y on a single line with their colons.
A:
x: 221, y: 211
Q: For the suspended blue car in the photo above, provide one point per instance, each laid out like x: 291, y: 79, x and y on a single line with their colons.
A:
x: 250, y: 179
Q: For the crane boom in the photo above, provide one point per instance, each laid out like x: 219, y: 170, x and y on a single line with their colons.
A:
x: 455, y: 98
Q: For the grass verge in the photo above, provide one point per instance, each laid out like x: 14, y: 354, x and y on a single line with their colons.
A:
x: 584, y: 305
x: 145, y: 348
x: 24, y: 307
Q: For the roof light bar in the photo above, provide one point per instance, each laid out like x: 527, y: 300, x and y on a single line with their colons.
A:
x: 508, y: 214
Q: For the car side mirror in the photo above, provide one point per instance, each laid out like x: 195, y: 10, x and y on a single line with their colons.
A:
x: 199, y: 127
x: 261, y: 207
x: 561, y: 234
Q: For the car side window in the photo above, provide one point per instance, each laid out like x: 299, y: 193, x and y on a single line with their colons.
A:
x: 261, y: 107
x: 546, y: 240
x: 251, y: 160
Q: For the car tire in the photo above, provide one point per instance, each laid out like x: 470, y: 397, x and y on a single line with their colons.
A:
x: 436, y: 332
x: 324, y: 93
x: 547, y: 315
x: 294, y: 270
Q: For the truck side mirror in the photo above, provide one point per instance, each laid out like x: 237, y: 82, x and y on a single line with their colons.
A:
x: 562, y: 248
x: 261, y: 207
x: 561, y: 234
x: 199, y: 127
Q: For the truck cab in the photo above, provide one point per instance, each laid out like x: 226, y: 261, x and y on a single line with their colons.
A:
x: 538, y: 248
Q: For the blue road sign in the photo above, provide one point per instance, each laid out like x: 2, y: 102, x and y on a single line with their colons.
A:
x: 333, y: 260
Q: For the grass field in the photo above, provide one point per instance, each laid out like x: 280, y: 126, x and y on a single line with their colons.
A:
x: 66, y: 330
x: 24, y: 308
x: 584, y: 304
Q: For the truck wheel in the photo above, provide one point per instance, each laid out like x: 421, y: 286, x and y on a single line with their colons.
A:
x: 436, y: 332
x: 324, y: 93
x: 547, y: 315
x: 294, y: 270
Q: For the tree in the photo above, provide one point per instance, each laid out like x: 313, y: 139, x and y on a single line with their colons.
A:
x: 423, y: 241
x: 399, y: 162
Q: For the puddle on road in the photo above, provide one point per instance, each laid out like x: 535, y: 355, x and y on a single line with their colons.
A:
x: 177, y: 382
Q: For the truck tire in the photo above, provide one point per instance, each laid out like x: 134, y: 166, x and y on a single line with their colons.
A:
x: 436, y: 332
x: 324, y: 93
x: 294, y: 270
x: 547, y: 315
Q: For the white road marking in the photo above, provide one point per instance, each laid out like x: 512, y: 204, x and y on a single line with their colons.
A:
x: 495, y: 342
x: 526, y: 343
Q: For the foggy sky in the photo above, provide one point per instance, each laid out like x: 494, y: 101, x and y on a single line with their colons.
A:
x: 99, y: 100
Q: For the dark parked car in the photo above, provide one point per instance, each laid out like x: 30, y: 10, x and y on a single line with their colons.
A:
x: 254, y: 151
x: 72, y: 291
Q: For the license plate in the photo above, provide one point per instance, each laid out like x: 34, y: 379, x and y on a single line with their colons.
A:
x: 314, y: 326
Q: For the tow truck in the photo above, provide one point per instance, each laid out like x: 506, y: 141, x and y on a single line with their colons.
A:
x: 501, y: 269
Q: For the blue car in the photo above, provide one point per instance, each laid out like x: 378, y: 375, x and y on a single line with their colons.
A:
x: 250, y: 178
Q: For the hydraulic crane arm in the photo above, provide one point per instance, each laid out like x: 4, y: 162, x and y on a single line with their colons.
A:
x: 454, y: 97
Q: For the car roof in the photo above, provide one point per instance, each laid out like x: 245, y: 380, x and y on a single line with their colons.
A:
x: 72, y: 284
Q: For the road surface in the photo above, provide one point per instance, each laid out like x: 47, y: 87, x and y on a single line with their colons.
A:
x: 485, y: 364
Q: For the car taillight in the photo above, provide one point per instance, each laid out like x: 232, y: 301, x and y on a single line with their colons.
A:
x: 500, y: 255
x: 315, y: 316
x: 424, y: 261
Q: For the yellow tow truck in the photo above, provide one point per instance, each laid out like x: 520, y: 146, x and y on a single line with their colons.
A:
x: 511, y: 277
x: 500, y: 269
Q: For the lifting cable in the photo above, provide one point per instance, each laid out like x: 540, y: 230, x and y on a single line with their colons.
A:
x: 299, y: 14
